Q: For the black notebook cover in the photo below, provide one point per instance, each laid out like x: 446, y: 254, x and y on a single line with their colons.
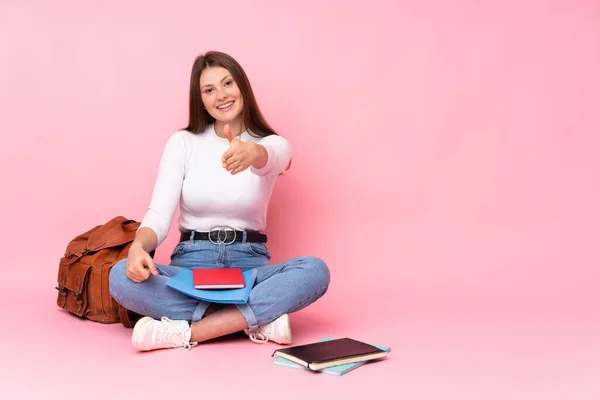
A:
x: 330, y: 350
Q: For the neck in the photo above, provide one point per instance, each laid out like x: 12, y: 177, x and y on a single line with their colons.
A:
x: 235, y: 127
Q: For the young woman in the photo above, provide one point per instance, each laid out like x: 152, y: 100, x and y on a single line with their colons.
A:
x: 221, y: 170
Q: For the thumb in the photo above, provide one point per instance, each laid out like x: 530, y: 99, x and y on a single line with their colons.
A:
x: 227, y: 133
x: 151, y: 266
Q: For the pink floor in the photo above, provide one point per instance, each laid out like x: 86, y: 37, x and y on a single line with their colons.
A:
x: 469, y: 347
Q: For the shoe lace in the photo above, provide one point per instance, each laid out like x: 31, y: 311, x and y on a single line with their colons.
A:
x: 259, y: 335
x: 173, y: 332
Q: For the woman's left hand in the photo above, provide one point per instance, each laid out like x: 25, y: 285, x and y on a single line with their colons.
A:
x: 240, y: 155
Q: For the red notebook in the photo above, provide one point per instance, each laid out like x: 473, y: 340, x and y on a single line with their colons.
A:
x: 218, y: 278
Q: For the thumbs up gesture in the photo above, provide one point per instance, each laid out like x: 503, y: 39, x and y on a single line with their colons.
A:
x: 240, y: 154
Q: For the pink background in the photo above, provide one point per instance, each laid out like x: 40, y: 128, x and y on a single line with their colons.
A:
x: 445, y: 168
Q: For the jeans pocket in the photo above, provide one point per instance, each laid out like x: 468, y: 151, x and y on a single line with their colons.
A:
x: 258, y: 249
x: 179, y: 250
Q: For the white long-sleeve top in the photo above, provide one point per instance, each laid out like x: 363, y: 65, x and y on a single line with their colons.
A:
x: 191, y: 173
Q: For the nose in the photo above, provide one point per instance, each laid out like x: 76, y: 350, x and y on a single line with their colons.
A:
x: 222, y: 93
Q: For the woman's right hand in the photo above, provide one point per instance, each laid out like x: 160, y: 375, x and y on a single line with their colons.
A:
x: 139, y: 264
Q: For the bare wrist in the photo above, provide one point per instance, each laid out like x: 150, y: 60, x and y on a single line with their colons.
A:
x: 136, y: 245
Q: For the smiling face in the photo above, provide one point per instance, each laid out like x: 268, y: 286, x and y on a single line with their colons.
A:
x: 221, y: 95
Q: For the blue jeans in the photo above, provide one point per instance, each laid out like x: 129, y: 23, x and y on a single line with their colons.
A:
x: 279, y: 288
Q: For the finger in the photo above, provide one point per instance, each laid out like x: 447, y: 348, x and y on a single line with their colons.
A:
x: 227, y: 133
x: 131, y: 276
x: 234, y: 165
x: 232, y: 160
x: 145, y: 274
x: 238, y: 169
x: 134, y: 273
x: 151, y: 267
x: 226, y: 155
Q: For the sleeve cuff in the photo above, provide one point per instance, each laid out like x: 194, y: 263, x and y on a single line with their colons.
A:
x: 155, y: 221
x: 270, y: 162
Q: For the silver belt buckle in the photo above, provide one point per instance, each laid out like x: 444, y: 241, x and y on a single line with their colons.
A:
x: 224, y: 236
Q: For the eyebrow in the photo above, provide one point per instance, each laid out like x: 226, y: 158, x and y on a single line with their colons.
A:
x: 228, y: 76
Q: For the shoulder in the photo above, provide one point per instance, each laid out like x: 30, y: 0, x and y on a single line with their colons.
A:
x: 275, y: 139
x: 278, y: 144
x: 270, y: 140
x: 186, y: 139
x: 178, y: 143
x: 182, y: 136
x: 176, y: 139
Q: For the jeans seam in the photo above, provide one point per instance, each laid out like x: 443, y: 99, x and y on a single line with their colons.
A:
x: 251, y: 318
x: 255, y: 253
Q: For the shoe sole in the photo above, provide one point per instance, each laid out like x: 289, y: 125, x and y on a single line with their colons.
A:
x: 135, y: 336
x: 287, y: 331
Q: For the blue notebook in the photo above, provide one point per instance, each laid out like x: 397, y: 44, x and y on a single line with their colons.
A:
x: 184, y: 282
x: 338, y: 370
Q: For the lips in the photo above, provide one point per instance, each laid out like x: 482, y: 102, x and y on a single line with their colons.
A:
x: 226, y: 106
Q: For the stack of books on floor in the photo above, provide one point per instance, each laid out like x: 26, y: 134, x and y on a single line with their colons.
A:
x: 330, y: 356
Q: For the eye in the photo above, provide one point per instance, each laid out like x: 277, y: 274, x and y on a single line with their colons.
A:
x: 228, y: 83
x: 207, y: 91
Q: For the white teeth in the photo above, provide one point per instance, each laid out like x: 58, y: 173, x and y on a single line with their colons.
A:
x: 225, y: 105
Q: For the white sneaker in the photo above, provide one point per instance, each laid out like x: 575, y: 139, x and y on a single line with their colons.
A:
x: 152, y: 334
x: 278, y: 331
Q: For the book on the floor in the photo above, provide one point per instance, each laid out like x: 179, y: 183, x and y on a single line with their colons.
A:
x: 338, y: 370
x: 319, y: 355
x: 218, y: 278
x: 184, y: 282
